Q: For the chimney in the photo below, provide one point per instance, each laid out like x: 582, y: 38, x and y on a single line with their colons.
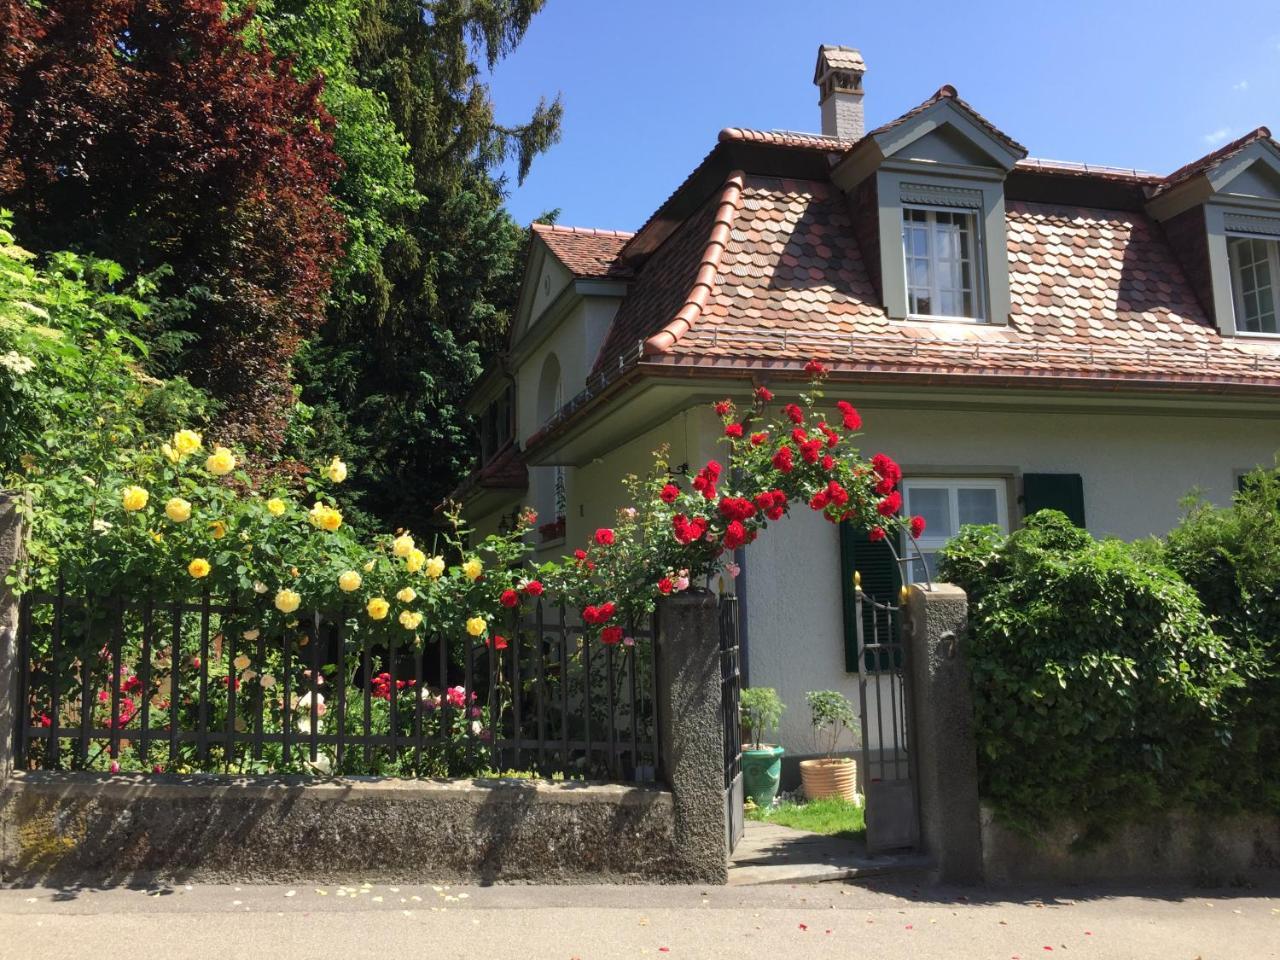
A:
x: 838, y: 77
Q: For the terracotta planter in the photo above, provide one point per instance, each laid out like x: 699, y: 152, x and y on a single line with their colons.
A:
x: 830, y: 778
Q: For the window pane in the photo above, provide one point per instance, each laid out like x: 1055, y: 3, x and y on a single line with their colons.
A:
x: 977, y: 505
x: 934, y: 504
x: 929, y: 566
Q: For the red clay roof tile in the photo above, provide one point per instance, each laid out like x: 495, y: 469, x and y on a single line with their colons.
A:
x: 585, y: 251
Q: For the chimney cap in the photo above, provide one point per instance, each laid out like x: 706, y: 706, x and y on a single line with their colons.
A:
x: 833, y: 57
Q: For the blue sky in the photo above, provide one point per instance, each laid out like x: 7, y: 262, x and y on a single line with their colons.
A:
x: 647, y: 84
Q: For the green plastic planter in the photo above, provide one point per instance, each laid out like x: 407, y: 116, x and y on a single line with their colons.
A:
x: 761, y: 771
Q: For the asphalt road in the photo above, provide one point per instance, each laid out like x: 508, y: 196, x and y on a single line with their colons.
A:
x: 848, y: 921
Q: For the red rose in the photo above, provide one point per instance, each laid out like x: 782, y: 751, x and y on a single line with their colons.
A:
x: 606, y: 610
x: 885, y: 467
x: 735, y: 535
x: 917, y: 526
x: 534, y: 588
x: 688, y: 530
x: 799, y: 436
x: 497, y: 642
x: 611, y: 636
x: 590, y: 614
x: 763, y: 394
x: 885, y: 485
x: 705, y: 481
x: 509, y: 598
x: 733, y: 430
x: 794, y: 413
x: 876, y: 533
x: 811, y: 450
x: 819, y: 500
x: 758, y: 438
x: 828, y: 462
x: 579, y: 555
x: 665, y: 586
x: 669, y: 493
x: 604, y: 537
x: 890, y: 505
x: 723, y: 407
x: 815, y: 369
x: 837, y: 494
x: 782, y: 460
x: 737, y: 508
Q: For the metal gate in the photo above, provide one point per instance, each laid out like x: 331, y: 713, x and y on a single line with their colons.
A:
x: 887, y: 758
x: 730, y: 689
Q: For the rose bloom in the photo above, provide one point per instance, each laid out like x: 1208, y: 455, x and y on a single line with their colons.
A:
x: 533, y: 588
x: 199, y: 568
x: 275, y: 506
x: 472, y: 569
x: 336, y: 471
x: 611, y: 636
x: 377, y: 608
x: 219, y: 529
x: 604, y: 537
x: 670, y: 493
x: 287, y: 601
x: 409, y: 619
x: 178, y: 510
x: 476, y: 626
x: 401, y: 545
x: 349, y: 581
x: 497, y: 642
x: 415, y: 560
x: 509, y: 598
x: 186, y: 442
x: 435, y: 567
x: 221, y: 462
x: 134, y: 498
x: 407, y: 595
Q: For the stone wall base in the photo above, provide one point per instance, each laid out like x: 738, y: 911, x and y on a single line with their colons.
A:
x: 88, y: 828
x: 1192, y: 846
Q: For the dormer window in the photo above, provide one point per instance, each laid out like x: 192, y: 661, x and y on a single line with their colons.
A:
x: 1255, y: 266
x: 939, y: 249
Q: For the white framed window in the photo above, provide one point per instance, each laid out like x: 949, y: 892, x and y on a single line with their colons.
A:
x: 940, y: 256
x: 1255, y: 269
x: 947, y: 504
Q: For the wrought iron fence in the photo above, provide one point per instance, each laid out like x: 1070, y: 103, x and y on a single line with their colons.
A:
x: 206, y: 684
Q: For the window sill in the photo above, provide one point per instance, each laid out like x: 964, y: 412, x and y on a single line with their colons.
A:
x: 549, y: 544
x: 961, y: 321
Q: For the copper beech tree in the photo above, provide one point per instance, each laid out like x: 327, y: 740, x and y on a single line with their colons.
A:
x: 147, y: 131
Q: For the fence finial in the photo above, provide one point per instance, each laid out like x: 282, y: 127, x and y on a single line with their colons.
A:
x: 857, y: 580
x: 903, y: 594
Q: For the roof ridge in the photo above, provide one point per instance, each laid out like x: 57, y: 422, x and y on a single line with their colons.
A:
x: 580, y: 231
x: 1188, y: 170
x: 703, y: 283
x: 790, y: 138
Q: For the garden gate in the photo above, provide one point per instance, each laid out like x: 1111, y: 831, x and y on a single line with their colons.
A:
x: 887, y: 757
x: 731, y: 686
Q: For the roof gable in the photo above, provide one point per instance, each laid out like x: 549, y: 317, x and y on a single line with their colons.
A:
x: 1254, y: 172
x: 945, y: 123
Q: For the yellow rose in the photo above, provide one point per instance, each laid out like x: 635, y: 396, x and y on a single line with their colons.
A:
x: 219, y: 529
x: 324, y: 517
x: 275, y: 506
x: 221, y: 462
x: 435, y: 567
x: 473, y: 568
x: 134, y: 498
x: 186, y: 442
x: 332, y: 520
x: 409, y: 619
x: 407, y: 595
x: 287, y: 601
x: 170, y: 454
x: 350, y: 580
x: 402, y: 545
x: 414, y: 561
x: 337, y: 470
x: 241, y: 662
x: 178, y: 510
x: 377, y: 608
x: 369, y: 565
x: 476, y: 626
x: 199, y: 568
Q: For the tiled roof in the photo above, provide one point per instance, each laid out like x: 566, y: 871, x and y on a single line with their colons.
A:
x: 840, y: 58
x: 1096, y: 295
x: 506, y: 471
x: 585, y: 251
x: 1210, y: 160
x: 787, y: 138
x: 948, y: 92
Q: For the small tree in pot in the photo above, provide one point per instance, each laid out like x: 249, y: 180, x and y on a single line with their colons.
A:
x: 761, y: 762
x: 830, y: 776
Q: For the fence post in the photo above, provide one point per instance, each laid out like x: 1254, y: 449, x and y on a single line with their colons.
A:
x: 946, y: 753
x: 11, y: 545
x: 691, y: 730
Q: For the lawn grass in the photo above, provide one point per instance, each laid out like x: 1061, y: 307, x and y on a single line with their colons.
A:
x: 833, y: 816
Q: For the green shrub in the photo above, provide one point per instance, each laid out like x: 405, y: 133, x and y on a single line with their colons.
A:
x: 830, y: 713
x: 761, y: 710
x: 1099, y: 686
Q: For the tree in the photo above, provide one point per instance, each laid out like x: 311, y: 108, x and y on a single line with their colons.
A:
x: 150, y: 132
x: 386, y: 379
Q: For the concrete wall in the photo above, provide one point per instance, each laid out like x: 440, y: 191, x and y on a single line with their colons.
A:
x: 1194, y: 846
x: 96, y: 829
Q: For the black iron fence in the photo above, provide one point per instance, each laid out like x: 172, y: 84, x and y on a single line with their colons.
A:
x: 212, y: 685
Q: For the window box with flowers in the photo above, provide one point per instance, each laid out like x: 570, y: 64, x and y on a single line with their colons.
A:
x: 553, y: 531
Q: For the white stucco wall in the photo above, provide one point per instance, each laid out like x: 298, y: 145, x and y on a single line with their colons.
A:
x: 1135, y: 470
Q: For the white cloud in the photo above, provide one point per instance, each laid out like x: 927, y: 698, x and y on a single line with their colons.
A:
x: 1217, y: 136
x: 1240, y: 87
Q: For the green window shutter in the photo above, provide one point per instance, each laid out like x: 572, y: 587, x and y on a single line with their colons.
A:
x: 1054, y: 491
x: 880, y: 580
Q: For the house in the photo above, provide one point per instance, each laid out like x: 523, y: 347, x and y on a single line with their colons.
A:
x: 1017, y: 333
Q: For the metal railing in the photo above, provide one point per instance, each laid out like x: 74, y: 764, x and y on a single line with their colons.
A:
x: 206, y: 684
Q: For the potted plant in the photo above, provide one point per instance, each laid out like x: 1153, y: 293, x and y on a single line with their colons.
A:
x: 761, y: 762
x: 829, y: 775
